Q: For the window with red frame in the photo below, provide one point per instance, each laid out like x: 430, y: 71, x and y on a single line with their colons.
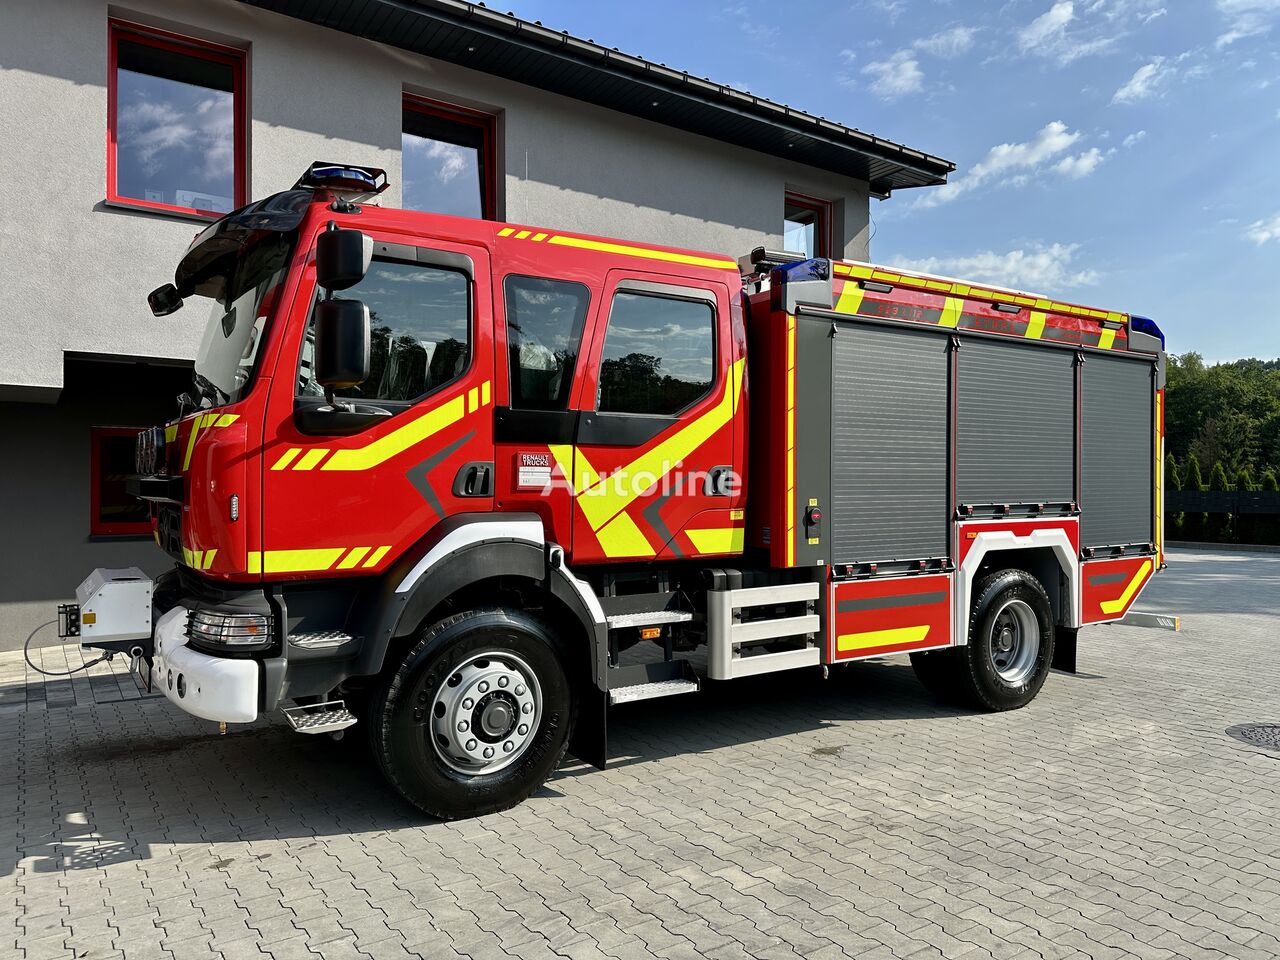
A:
x: 175, y: 122
x: 807, y: 226
x: 447, y: 160
x: 112, y: 511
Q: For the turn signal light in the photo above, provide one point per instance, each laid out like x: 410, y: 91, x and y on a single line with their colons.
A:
x: 229, y: 631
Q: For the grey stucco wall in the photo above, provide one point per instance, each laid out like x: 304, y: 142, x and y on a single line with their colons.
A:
x: 77, y: 270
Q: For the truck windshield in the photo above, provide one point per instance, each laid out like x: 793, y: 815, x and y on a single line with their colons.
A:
x: 249, y: 291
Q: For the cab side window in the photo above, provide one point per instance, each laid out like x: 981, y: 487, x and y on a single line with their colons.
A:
x: 658, y: 356
x: 544, y: 332
x: 420, y: 317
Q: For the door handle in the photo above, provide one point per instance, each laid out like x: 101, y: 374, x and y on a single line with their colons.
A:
x: 474, y: 479
x: 719, y: 482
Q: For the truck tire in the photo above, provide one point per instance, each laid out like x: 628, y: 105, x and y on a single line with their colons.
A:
x: 476, y: 717
x: 1010, y: 647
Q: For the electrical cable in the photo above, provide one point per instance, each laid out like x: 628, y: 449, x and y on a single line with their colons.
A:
x: 48, y: 673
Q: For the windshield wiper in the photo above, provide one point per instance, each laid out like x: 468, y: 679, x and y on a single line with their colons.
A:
x: 209, y: 389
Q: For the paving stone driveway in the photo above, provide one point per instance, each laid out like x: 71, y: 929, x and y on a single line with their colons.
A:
x: 784, y: 817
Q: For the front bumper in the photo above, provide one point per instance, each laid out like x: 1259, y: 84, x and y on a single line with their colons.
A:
x: 213, y: 688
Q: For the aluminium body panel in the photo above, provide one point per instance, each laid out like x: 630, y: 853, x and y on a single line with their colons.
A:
x: 889, y: 466
x: 1015, y: 423
x: 1117, y: 451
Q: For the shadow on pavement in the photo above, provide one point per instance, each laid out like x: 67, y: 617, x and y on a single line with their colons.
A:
x: 119, y: 793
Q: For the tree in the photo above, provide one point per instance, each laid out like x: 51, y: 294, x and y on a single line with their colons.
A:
x: 1268, y: 528
x: 1245, y: 523
x: 1193, y: 523
x: 1172, y: 481
x: 1219, y: 522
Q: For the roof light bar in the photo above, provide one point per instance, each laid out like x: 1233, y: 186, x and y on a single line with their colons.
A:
x: 343, y: 178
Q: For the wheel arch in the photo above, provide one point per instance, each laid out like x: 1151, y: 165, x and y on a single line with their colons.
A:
x: 1048, y: 554
x: 473, y: 555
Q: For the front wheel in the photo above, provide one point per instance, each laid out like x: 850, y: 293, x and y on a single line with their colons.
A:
x: 1010, y: 647
x: 478, y: 715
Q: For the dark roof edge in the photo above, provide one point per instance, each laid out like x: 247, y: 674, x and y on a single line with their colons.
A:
x: 682, y: 81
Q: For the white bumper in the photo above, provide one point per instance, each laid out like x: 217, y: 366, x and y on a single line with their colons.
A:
x: 213, y: 688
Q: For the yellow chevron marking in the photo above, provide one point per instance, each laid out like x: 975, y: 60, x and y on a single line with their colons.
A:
x: 719, y: 540
x: 208, y: 559
x: 629, y: 251
x: 522, y: 234
x: 300, y: 561
x: 253, y: 562
x: 473, y: 399
x: 171, y: 433
x: 484, y: 393
x: 286, y: 458
x: 311, y: 458
x: 506, y: 231
x: 227, y: 419
x: 881, y: 638
x: 1106, y: 338
x: 1120, y: 602
x: 952, y: 308
x: 850, y: 298
x: 376, y: 556
x: 602, y: 500
x: 620, y: 537
x: 1035, y: 328
x: 353, y: 558
x: 398, y: 441
x: 539, y: 237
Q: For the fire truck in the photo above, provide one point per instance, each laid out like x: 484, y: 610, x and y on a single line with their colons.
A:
x: 469, y: 484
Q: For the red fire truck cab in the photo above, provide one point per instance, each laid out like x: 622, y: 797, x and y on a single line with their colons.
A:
x: 466, y: 484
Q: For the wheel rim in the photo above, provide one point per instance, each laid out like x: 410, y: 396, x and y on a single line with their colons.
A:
x: 485, y: 713
x: 1015, y: 642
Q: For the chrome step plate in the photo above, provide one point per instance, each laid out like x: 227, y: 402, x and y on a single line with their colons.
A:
x: 648, y: 691
x: 649, y: 618
x: 319, y: 717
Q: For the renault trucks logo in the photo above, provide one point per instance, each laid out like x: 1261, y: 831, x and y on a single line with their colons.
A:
x: 533, y: 471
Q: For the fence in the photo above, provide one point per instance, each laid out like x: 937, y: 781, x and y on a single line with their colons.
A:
x: 1223, y: 516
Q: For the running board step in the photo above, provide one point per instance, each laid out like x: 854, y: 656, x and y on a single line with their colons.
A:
x: 319, y: 717
x: 649, y: 618
x: 648, y: 691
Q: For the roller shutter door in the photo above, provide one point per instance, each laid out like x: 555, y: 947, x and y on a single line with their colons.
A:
x: 1117, y: 452
x: 1015, y: 435
x: 889, y: 445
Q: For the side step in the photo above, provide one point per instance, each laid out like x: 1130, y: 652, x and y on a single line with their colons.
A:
x: 645, y: 681
x: 648, y: 691
x: 731, y: 635
x: 643, y: 610
x: 326, y: 717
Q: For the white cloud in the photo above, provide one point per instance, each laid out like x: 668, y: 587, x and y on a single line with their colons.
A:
x: 1048, y: 35
x: 1145, y: 82
x: 1081, y: 165
x: 1048, y: 28
x: 1133, y: 138
x: 1038, y: 268
x: 895, y: 77
x: 1007, y: 161
x: 1246, y: 18
x: 948, y: 43
x: 1265, y: 230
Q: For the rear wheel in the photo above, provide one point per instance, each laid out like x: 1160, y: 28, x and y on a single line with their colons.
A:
x: 477, y: 717
x: 1010, y: 647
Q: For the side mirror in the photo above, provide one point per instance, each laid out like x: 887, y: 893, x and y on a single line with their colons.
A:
x: 164, y: 300
x: 342, y: 258
x: 342, y: 345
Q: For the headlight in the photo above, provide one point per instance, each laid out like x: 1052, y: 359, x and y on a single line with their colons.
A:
x: 229, y: 631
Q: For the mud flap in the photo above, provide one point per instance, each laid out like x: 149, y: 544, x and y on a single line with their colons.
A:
x: 1064, y: 648
x: 590, y: 742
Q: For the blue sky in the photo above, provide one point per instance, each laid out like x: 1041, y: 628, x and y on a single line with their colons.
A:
x: 1121, y: 153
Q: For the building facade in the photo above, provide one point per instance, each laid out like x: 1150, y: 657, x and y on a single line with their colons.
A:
x: 130, y: 126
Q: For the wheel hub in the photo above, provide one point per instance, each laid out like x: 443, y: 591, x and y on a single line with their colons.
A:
x: 1015, y: 642
x: 485, y: 713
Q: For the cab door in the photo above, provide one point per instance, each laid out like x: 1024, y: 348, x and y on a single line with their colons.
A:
x: 348, y: 493
x: 656, y: 471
